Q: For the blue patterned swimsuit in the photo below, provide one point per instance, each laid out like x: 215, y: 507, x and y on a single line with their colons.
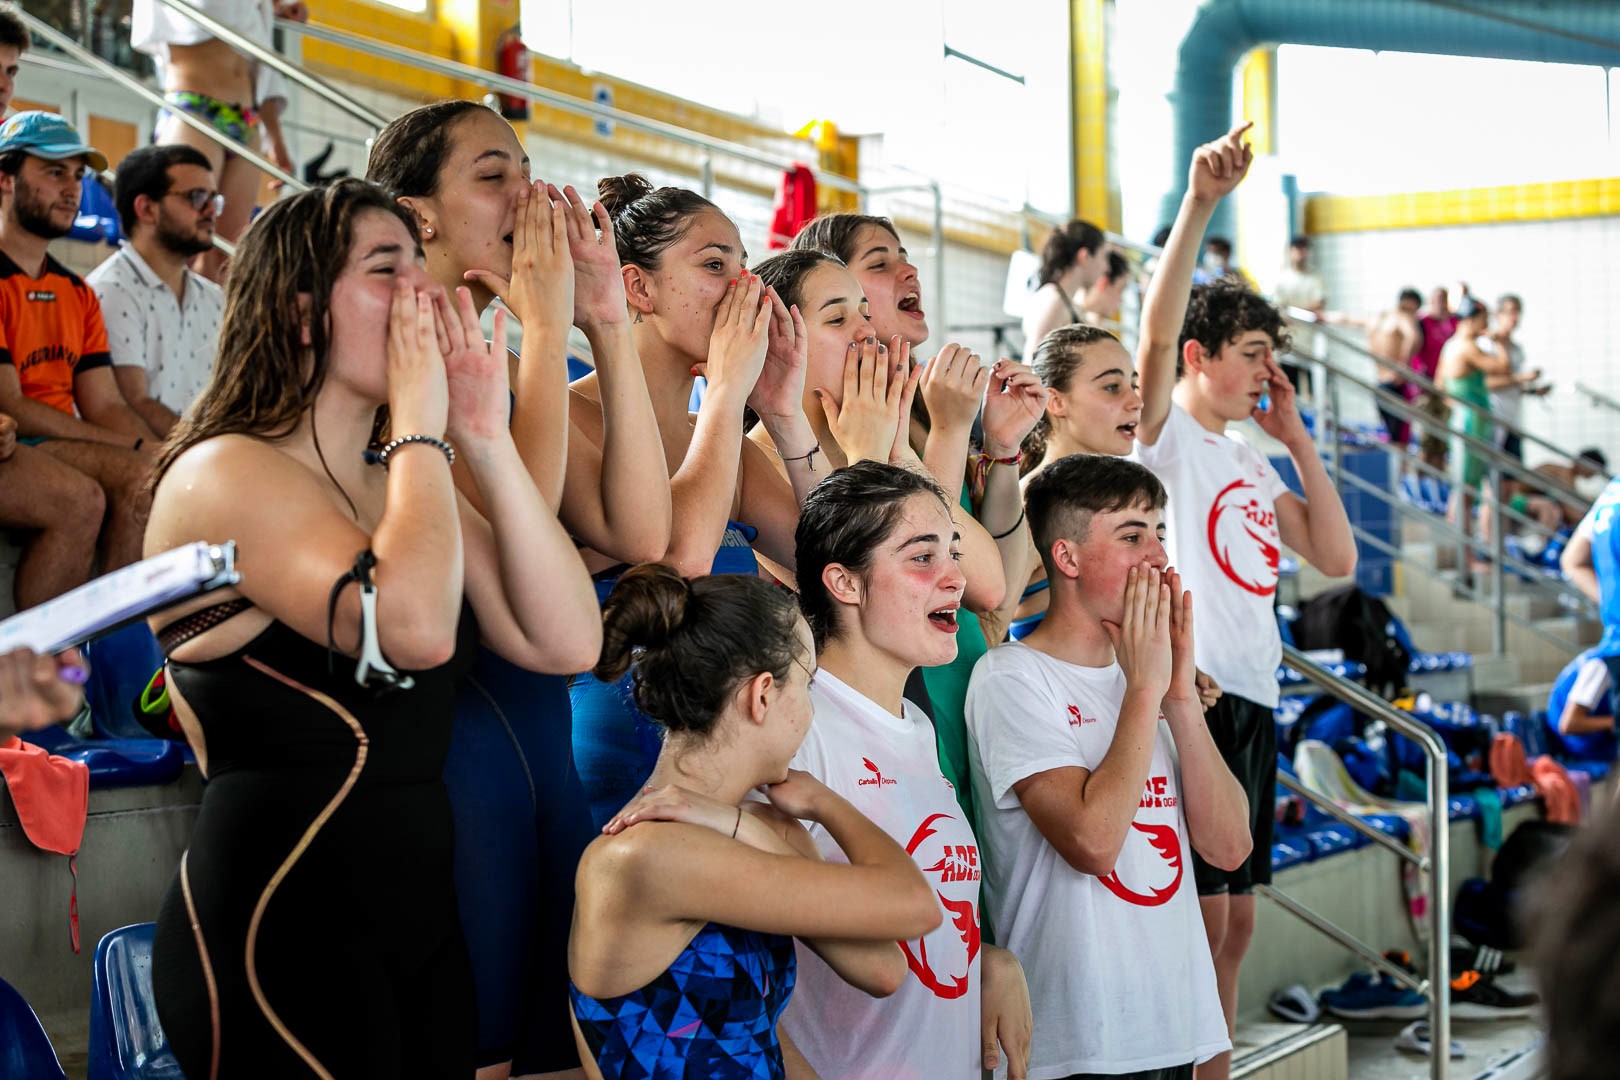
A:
x: 711, y: 1015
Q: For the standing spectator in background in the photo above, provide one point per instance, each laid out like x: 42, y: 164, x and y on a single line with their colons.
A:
x: 1507, y: 389
x: 1438, y: 323
x: 1395, y: 335
x: 1072, y: 260
x: 57, y: 379
x: 1218, y: 263
x: 204, y: 76
x: 162, y: 318
x: 14, y: 42
x: 1103, y: 300
x: 1298, y: 286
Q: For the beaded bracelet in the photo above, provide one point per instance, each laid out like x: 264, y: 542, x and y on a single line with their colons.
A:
x: 381, y: 456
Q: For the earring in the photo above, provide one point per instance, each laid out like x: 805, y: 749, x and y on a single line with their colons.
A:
x: 427, y: 230
x: 637, y: 318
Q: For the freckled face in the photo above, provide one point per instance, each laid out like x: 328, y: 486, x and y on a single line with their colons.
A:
x: 834, y: 313
x: 891, y: 284
x: 692, y: 279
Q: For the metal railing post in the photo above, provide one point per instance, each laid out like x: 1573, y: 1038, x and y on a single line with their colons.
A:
x: 708, y: 177
x: 1493, y: 499
x: 938, y: 298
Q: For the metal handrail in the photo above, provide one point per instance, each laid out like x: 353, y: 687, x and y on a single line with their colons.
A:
x: 105, y: 70
x: 1598, y: 397
x: 1437, y: 985
x: 595, y: 110
x: 1423, y: 382
x: 272, y: 59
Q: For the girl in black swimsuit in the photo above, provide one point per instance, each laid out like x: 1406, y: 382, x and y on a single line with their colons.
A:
x: 312, y: 927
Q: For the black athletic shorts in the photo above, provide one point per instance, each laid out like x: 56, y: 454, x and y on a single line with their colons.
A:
x: 1246, y: 734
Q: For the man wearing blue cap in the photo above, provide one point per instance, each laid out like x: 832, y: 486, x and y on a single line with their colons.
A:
x: 56, y: 377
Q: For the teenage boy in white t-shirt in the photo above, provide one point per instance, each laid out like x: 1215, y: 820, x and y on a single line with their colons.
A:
x: 1096, y: 775
x: 1229, y: 516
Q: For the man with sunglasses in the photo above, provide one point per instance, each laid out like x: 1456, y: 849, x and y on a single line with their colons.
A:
x: 162, y: 317
x: 56, y: 377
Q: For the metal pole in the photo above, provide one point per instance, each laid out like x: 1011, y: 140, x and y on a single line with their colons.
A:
x: 708, y: 177
x: 1493, y: 499
x: 146, y: 93
x: 1330, y: 410
x: 938, y: 298
x: 1439, y: 918
x: 271, y: 58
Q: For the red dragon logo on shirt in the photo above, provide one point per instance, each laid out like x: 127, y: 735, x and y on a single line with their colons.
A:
x: 952, y: 866
x: 1243, y: 538
x: 1168, y: 845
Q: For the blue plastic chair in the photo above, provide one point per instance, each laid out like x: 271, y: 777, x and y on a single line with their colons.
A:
x: 121, y: 664
x: 126, y: 1040
x: 25, y: 1049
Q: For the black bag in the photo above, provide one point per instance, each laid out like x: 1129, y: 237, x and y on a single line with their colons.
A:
x: 1347, y: 618
x: 1492, y: 913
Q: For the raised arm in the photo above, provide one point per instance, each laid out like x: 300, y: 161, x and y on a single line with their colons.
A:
x: 1576, y: 562
x: 1316, y: 526
x: 953, y: 387
x: 1086, y: 813
x: 533, y: 597
x: 1216, y: 169
x: 1013, y: 404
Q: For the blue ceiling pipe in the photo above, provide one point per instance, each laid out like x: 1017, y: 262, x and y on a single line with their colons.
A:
x: 1223, y: 32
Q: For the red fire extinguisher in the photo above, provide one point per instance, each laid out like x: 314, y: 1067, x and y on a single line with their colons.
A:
x: 512, y: 61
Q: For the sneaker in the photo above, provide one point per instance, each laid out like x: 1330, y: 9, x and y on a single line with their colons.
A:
x: 1365, y: 997
x: 1486, y: 960
x: 1477, y: 997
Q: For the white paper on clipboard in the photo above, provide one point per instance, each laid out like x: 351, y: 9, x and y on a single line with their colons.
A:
x: 121, y: 597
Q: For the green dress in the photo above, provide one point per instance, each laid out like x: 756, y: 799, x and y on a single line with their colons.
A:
x: 1468, y: 467
x: 947, y: 689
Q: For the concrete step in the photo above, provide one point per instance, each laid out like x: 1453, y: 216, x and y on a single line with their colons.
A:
x: 1277, y: 1051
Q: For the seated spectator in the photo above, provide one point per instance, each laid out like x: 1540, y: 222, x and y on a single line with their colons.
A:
x: 1095, y: 774
x: 59, y: 384
x: 1580, y: 709
x: 1072, y: 260
x: 162, y: 318
x: 58, y: 507
x: 1591, y: 562
x: 14, y: 41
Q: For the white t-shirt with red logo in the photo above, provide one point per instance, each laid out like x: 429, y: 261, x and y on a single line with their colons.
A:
x: 888, y: 767
x: 1222, y: 524
x: 1119, y: 969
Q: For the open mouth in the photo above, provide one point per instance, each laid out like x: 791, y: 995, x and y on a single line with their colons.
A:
x: 944, y: 619
x: 911, y: 304
x: 1127, y: 430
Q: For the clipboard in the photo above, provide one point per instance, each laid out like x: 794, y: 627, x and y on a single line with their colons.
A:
x: 113, y: 600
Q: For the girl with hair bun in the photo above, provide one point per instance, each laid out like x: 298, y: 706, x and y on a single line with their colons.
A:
x: 689, y: 902
x: 696, y: 310
x: 459, y: 169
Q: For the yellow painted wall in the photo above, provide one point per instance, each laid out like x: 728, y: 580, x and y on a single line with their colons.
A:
x: 1556, y: 200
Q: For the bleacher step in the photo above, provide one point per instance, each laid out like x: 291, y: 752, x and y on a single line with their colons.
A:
x: 1272, y: 1051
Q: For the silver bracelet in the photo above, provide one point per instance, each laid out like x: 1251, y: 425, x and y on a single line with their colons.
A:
x: 382, y: 456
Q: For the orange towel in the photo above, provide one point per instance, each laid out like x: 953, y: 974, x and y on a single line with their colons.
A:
x: 1509, y: 767
x: 1557, y: 791
x: 52, y: 797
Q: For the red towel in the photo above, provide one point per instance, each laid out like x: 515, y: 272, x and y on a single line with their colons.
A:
x: 52, y: 797
x: 1508, y: 764
x: 1557, y: 791
x: 795, y: 206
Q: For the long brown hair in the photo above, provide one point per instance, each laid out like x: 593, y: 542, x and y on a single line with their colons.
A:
x: 264, y: 376
x: 1057, y: 357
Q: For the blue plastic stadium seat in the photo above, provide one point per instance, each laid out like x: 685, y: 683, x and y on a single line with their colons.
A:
x: 1390, y: 824
x: 1592, y: 767
x: 1462, y: 806
x: 126, y: 1040
x: 25, y: 1049
x: 1514, y: 796
x: 121, y: 664
x: 1021, y: 628
x: 97, y: 220
x: 1332, y: 838
x: 1289, y: 850
x: 1353, y: 670
x: 115, y: 763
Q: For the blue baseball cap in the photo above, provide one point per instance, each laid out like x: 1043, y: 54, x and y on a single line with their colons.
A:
x: 46, y: 135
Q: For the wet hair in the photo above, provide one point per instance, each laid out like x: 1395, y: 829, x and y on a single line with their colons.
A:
x: 145, y: 171
x: 1410, y: 294
x: 787, y: 271
x: 690, y: 643
x: 1222, y: 311
x: 1118, y: 266
x: 1060, y: 502
x: 13, y: 32
x: 844, y: 520
x: 1575, y: 929
x: 263, y: 379
x: 1059, y: 355
x: 409, y: 154
x: 1064, y: 246
x: 646, y: 220
x: 1220, y: 245
x: 835, y: 233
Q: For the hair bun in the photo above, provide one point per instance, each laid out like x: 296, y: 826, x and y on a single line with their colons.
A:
x: 618, y: 192
x: 643, y: 612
